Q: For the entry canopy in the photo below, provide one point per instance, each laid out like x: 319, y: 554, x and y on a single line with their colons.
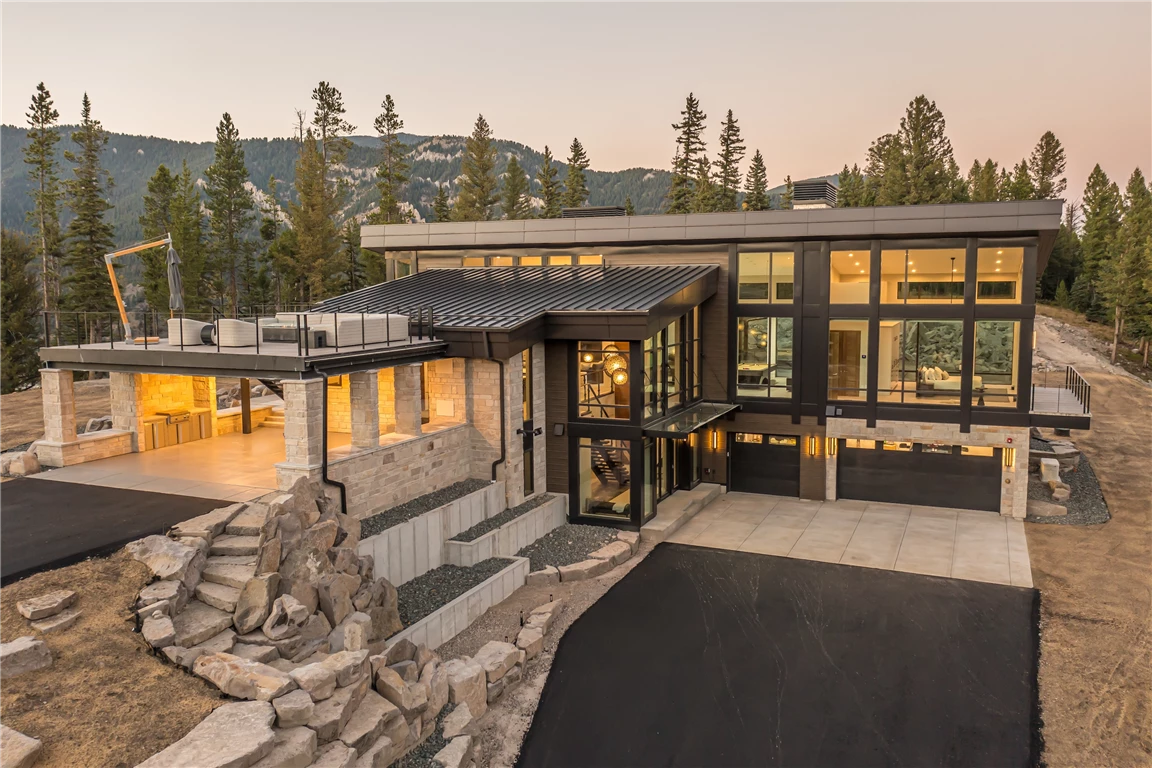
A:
x: 684, y: 423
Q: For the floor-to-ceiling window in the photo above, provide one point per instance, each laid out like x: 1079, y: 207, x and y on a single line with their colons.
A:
x: 603, y: 380
x: 604, y: 479
x: 766, y: 304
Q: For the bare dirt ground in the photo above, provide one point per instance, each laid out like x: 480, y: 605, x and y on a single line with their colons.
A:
x: 501, y: 730
x: 105, y: 701
x: 1096, y: 581
x: 23, y: 412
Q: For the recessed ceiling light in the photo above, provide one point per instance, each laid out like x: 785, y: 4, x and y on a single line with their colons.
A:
x: 998, y: 253
x: 997, y: 269
x: 999, y: 260
x: 910, y: 262
x: 861, y: 271
x: 953, y: 269
x: 849, y: 255
x: 913, y: 270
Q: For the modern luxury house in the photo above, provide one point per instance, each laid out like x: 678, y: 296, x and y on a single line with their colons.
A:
x: 882, y: 354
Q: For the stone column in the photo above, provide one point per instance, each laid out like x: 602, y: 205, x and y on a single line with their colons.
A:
x: 303, y: 422
x: 126, y: 406
x: 407, y: 388
x: 386, y: 395
x: 364, y: 392
x: 59, y: 405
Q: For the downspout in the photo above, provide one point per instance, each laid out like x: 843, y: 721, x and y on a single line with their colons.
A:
x: 503, y: 408
x: 324, y: 449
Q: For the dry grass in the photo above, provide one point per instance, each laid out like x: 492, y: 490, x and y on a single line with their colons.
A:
x: 106, y: 700
x: 23, y: 412
x: 1100, y: 335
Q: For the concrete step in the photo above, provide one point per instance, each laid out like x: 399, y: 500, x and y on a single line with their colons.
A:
x: 273, y: 422
x: 249, y: 522
x: 228, y: 574
x: 218, y: 596
x: 678, y: 509
x: 235, y: 545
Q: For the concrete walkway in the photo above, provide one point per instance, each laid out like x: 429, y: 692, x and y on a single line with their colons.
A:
x: 960, y: 544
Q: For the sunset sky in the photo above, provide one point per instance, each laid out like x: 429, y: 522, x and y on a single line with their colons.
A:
x: 812, y: 84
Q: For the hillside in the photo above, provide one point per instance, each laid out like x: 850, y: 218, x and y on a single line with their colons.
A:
x: 435, y: 159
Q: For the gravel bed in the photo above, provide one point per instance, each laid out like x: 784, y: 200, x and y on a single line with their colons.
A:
x: 424, y: 594
x: 1035, y: 444
x: 500, y: 518
x: 1086, y: 505
x: 421, y: 756
x: 389, y: 518
x: 566, y: 545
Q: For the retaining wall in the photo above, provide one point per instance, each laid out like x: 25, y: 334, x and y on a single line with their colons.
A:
x: 511, y: 537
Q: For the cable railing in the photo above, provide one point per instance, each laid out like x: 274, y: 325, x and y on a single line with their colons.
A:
x: 307, y: 331
x: 1061, y: 392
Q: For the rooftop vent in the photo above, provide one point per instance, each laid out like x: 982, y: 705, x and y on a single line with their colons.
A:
x: 589, y: 211
x: 813, y: 193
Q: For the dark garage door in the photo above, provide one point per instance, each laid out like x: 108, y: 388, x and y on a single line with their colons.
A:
x: 765, y: 464
x: 953, y: 479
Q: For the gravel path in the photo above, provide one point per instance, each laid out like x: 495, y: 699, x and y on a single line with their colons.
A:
x: 382, y: 521
x: 440, y: 586
x: 567, y: 544
x: 500, y: 518
x: 1086, y: 505
x: 421, y: 756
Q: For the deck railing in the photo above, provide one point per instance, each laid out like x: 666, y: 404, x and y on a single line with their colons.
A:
x: 1070, y: 388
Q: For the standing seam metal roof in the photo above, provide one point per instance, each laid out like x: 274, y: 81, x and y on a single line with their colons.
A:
x: 505, y: 297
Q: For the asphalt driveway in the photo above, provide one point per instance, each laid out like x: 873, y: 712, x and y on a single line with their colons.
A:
x: 48, y: 524
x: 703, y: 657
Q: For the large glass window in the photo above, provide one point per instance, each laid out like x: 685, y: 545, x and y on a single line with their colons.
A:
x: 997, y: 351
x: 920, y: 361
x: 673, y: 371
x: 696, y: 356
x: 848, y: 277
x: 767, y: 278
x: 653, y: 375
x: 847, y: 359
x: 764, y: 357
x: 999, y: 275
x: 922, y: 276
x: 603, y: 380
x: 605, y: 470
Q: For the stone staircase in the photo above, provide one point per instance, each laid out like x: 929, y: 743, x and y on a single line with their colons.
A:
x: 275, y: 419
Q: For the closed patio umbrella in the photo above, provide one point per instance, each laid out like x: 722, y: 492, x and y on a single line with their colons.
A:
x: 175, y: 286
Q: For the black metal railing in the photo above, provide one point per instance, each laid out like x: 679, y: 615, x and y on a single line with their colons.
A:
x: 1071, y: 391
x: 309, y: 330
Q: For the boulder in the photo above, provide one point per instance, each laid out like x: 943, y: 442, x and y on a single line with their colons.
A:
x: 158, y: 630
x: 337, y: 755
x: 435, y: 677
x: 585, y: 569
x: 467, y: 684
x: 230, y: 571
x: 401, y: 650
x: 458, y: 753
x: 385, y: 622
x: 23, y: 464
x: 210, y: 525
x: 183, y: 657
x: 289, y: 528
x: 423, y: 656
x: 355, y: 624
x: 1061, y: 494
x: 531, y: 641
x: 268, y: 560
x: 241, y: 678
x: 316, y: 628
x: 381, y: 754
x: 250, y: 521
x: 236, y: 734
x: 350, y: 528
x: 331, y: 715
x: 173, y: 591
x: 1049, y: 470
x: 319, y: 681
x: 293, y: 748
x: 46, y: 605
x: 398, y: 732
x: 497, y: 658
x: 543, y: 615
x: 348, y: 666
x: 321, y: 536
x: 367, y: 723
x: 285, y: 618
x: 163, y: 607
x: 345, y: 560
x: 549, y: 574
x: 218, y: 595
x: 335, y: 592
x: 631, y: 538
x: 614, y: 552
x: 456, y: 721
x: 409, y: 698
x: 62, y: 620
x: 255, y: 602
x: 1038, y: 508
x: 407, y: 671
x: 306, y: 564
x: 293, y: 709
x: 16, y: 749
x: 514, y: 676
x: 367, y: 567
x: 235, y: 545
x: 495, y: 690
x: 168, y: 559
x: 261, y: 653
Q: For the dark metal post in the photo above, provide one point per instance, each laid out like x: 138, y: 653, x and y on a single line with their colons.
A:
x: 336, y: 330
x: 307, y: 341
x: 256, y: 321
x: 363, y: 332
x: 145, y: 330
x: 246, y: 406
x: 299, y: 341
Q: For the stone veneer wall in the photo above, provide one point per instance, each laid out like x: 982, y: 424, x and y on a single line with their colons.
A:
x: 162, y: 392
x: 447, y: 385
x: 1013, y: 480
x: 340, y: 405
x: 386, y: 382
x: 231, y: 419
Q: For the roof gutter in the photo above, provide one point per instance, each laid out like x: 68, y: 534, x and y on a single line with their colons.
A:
x: 324, y: 448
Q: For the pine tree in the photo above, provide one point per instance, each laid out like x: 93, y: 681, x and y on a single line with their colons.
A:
x: 885, y: 178
x: 186, y: 222
x: 786, y: 198
x: 850, y: 193
x: 728, y: 166
x: 19, y: 306
x: 331, y: 128
x: 707, y: 195
x: 478, y: 175
x: 514, y: 197
x: 313, y: 220
x: 89, y: 236
x: 1020, y: 187
x: 232, y: 213
x: 392, y: 171
x: 756, y: 185
x: 353, y: 276
x: 929, y: 165
x: 157, y: 222
x: 1123, y: 279
x: 1102, y: 211
x: 983, y: 185
x: 40, y: 156
x: 629, y: 209
x: 685, y: 163
x: 1063, y: 264
x: 575, y: 186
x: 1080, y: 297
x: 550, y: 191
x: 441, y: 207
x: 1047, y: 163
x: 1062, y: 297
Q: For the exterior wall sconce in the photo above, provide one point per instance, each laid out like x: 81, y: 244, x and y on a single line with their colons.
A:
x: 1009, y: 458
x: 715, y: 439
x: 811, y: 445
x: 830, y: 445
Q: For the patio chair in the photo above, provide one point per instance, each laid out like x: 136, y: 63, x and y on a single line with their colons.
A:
x: 190, y: 333
x: 236, y: 333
